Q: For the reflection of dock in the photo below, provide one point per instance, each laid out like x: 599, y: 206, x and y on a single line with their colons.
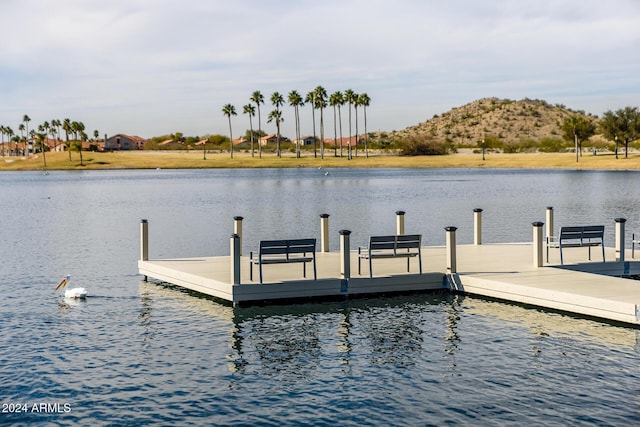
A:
x: 511, y: 272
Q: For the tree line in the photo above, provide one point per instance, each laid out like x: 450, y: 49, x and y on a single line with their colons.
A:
x: 39, y: 135
x: 319, y: 100
x: 622, y: 125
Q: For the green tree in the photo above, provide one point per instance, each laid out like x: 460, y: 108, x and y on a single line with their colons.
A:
x: 26, y: 119
x: 336, y: 101
x: 321, y: 104
x: 10, y: 135
x: 350, y: 98
x: 623, y: 124
x: 278, y: 101
x: 251, y: 111
x: 41, y: 138
x: 2, y: 131
x: 276, y: 116
x: 229, y: 110
x: 311, y: 100
x: 356, y: 104
x: 66, y: 127
x: 296, y: 101
x: 364, y: 100
x: 579, y: 129
x: 79, y: 136
x: 55, y: 124
x: 257, y: 98
x: 22, y: 139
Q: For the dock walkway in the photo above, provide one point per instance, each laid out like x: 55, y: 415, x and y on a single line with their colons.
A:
x: 502, y: 271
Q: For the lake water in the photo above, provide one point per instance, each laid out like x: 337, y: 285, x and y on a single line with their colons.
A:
x: 137, y: 353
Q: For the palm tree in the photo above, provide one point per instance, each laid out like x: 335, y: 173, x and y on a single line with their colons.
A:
x: 321, y: 104
x: 311, y: 99
x: 41, y: 137
x: 26, y: 119
x: 2, y: 129
x: 278, y: 101
x: 276, y: 115
x: 364, y: 100
x: 10, y: 134
x: 295, y: 100
x: 258, y: 99
x: 66, y: 127
x: 21, y: 129
x: 229, y: 110
x: 336, y: 100
x: 55, y: 124
x: 356, y: 104
x: 79, y: 136
x: 251, y: 111
x: 350, y: 97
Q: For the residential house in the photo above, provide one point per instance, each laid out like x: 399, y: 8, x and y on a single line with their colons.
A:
x: 124, y: 142
x: 345, y: 142
x: 307, y: 140
x: 268, y: 139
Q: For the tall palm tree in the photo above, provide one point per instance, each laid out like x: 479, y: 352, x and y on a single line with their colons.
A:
x: 311, y: 100
x: 336, y: 100
x: 41, y: 137
x: 278, y: 101
x: 66, y: 127
x: 21, y: 129
x: 350, y: 98
x: 321, y: 104
x: 251, y: 111
x: 276, y: 116
x: 296, y: 101
x: 2, y: 128
x: 364, y: 100
x: 10, y: 134
x: 229, y: 110
x: 26, y: 119
x: 258, y: 99
x: 79, y: 136
x: 55, y: 124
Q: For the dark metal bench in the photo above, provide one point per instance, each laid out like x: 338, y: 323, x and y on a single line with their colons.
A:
x: 395, y: 246
x: 577, y: 237
x: 285, y: 252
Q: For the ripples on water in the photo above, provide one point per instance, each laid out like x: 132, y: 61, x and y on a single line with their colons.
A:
x: 140, y: 353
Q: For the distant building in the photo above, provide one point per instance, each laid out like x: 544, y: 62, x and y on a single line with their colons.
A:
x: 267, y: 139
x: 345, y: 142
x: 307, y: 140
x: 124, y: 142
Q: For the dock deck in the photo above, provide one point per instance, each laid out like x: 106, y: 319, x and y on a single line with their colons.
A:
x: 502, y: 271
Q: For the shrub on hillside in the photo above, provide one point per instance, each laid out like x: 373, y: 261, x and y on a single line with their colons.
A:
x: 419, y: 145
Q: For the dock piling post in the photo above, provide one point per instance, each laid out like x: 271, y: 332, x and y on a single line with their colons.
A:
x: 477, y: 226
x: 345, y: 254
x: 537, y: 244
x: 324, y: 232
x: 451, y: 249
x: 620, y: 239
x: 549, y: 223
x: 400, y: 222
x: 234, y: 247
x: 237, y: 229
x: 144, y: 240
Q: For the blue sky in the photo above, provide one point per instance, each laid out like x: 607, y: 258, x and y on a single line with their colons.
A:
x: 152, y: 67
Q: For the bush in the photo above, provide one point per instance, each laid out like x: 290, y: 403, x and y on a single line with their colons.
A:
x: 424, y: 146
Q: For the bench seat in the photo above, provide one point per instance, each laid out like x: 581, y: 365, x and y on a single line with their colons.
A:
x: 285, y: 252
x: 393, y: 246
x: 577, y: 237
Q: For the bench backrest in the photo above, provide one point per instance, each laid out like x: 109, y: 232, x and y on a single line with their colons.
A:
x: 583, y: 232
x: 286, y: 247
x: 393, y: 242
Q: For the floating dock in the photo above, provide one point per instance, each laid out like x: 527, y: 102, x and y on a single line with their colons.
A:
x: 513, y: 272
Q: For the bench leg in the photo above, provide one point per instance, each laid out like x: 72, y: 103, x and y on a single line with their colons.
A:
x: 261, y: 273
x: 251, y: 266
x: 408, y: 265
x: 304, y: 270
x: 420, y: 261
x: 561, y: 260
x: 315, y: 272
x: 603, y: 252
x: 589, y: 253
x: 370, y: 268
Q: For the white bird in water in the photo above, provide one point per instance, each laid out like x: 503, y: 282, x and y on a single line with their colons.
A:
x: 73, y: 293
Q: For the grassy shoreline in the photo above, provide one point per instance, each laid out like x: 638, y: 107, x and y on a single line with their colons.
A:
x: 194, y: 160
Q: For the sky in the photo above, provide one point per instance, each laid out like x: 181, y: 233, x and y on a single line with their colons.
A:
x: 156, y: 67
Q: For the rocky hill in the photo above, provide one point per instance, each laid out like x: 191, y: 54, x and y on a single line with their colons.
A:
x: 504, y: 119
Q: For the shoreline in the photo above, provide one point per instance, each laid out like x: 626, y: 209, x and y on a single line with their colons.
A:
x: 195, y: 160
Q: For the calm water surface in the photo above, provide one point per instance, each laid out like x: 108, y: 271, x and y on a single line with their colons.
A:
x: 138, y: 353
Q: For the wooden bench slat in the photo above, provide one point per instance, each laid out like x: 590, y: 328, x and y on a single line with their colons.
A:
x: 392, y: 246
x: 285, y: 251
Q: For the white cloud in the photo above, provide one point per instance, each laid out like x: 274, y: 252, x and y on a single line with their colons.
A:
x: 153, y: 67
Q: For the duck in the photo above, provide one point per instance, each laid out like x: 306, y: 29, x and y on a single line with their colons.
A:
x: 73, y: 293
